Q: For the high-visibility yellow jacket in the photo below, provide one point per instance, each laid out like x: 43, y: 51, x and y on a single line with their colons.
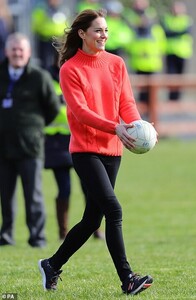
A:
x: 60, y: 123
x: 146, y: 50
x: 82, y: 5
x: 133, y: 18
x: 179, y: 38
x: 119, y: 33
x: 47, y: 24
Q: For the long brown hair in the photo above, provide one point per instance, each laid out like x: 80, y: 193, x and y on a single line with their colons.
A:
x: 68, y: 45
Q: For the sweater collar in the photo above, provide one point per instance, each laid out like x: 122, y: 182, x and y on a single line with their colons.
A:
x: 91, y: 60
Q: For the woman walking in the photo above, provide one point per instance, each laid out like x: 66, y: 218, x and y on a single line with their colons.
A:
x: 99, y: 97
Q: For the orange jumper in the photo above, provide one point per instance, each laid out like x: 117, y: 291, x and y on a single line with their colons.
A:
x: 98, y: 94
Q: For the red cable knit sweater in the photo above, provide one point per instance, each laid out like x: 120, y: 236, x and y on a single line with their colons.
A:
x: 98, y: 95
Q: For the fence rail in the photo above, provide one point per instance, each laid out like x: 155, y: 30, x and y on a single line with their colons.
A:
x: 159, y: 81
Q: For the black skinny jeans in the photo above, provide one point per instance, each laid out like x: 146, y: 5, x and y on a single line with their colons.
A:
x: 98, y: 173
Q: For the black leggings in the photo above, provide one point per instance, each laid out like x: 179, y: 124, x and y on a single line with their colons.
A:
x: 98, y: 174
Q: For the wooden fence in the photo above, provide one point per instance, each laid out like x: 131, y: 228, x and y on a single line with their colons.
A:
x: 159, y: 81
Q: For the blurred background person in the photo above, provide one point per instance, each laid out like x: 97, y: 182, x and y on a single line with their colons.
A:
x: 136, y: 9
x: 27, y: 102
x: 177, y: 25
x: 118, y: 30
x: 6, y: 26
x: 58, y: 158
x: 49, y: 18
x: 147, y: 47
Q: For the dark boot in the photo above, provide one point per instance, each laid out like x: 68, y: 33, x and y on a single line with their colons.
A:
x: 62, y: 207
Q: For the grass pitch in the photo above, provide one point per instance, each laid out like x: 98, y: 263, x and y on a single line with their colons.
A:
x: 157, y: 193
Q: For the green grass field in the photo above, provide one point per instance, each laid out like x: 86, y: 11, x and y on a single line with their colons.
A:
x: 157, y: 193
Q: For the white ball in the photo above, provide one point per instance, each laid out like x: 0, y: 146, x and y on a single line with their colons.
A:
x: 145, y: 136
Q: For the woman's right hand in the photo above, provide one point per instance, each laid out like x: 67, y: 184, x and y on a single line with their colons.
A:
x: 126, y: 139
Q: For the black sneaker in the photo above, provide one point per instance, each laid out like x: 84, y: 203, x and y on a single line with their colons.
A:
x: 49, y: 276
x: 136, y: 284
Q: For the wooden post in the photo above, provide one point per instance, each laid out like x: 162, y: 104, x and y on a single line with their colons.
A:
x: 152, y: 107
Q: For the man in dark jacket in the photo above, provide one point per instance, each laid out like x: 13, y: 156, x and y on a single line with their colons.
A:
x: 28, y: 102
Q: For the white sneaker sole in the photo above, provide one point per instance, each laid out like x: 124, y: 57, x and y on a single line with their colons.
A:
x: 43, y: 274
